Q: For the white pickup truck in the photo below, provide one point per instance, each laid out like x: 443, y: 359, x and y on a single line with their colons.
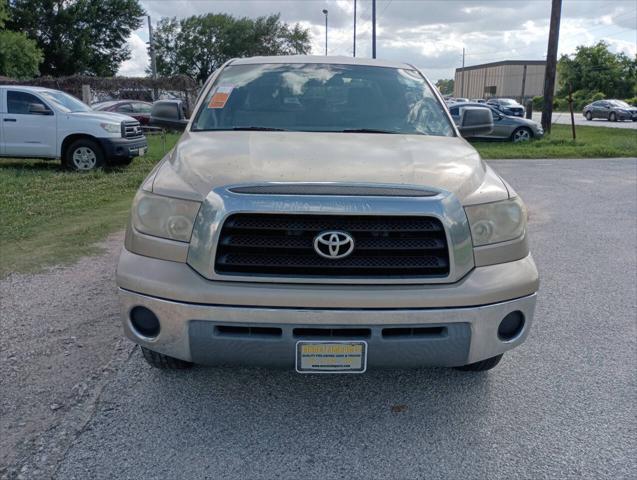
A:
x: 39, y: 122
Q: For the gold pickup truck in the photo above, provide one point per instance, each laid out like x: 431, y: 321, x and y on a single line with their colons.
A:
x: 324, y: 214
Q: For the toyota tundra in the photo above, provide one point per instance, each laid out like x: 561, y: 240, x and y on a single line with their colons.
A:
x: 324, y: 214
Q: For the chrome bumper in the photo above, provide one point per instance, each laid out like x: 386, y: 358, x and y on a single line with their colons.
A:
x: 188, y: 331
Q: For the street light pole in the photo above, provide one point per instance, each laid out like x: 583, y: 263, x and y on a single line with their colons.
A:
x: 325, y: 13
x: 354, y: 49
x: 373, y: 28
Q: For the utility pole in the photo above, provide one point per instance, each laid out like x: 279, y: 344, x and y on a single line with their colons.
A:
x: 354, y: 49
x: 462, y: 77
x: 325, y: 13
x: 551, y: 65
x: 151, y: 45
x: 373, y: 28
x: 153, y: 59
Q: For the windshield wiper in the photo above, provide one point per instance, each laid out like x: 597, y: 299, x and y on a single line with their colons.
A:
x: 254, y: 128
x: 367, y: 130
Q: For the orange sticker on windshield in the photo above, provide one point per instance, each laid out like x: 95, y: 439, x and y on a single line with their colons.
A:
x: 220, y: 97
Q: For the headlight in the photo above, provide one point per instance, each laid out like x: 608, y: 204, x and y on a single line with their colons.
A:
x: 112, y: 127
x: 496, y: 222
x: 164, y: 217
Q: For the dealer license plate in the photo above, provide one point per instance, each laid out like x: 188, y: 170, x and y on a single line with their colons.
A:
x: 331, y: 357
x: 142, y: 152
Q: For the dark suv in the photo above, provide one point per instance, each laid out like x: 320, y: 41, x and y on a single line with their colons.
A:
x: 507, y: 106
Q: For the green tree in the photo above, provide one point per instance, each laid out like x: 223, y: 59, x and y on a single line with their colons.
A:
x: 78, y: 36
x: 19, y: 56
x: 597, y: 69
x: 197, y: 45
x: 445, y: 86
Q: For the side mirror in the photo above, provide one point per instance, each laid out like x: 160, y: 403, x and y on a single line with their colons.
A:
x: 168, y: 114
x: 475, y: 121
x: 39, y: 109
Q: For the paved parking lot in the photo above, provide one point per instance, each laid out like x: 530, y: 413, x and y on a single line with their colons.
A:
x: 560, y: 406
x: 564, y: 118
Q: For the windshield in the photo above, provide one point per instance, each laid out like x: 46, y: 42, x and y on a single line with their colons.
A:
x: 322, y: 98
x: 620, y: 103
x: 65, y: 102
x: 507, y: 101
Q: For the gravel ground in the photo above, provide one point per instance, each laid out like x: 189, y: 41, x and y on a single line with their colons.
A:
x: 560, y: 406
x: 60, y: 343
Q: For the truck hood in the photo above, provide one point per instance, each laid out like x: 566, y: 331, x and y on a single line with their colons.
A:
x: 103, y: 116
x: 202, y: 161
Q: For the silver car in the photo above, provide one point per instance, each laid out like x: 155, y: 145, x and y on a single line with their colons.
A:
x: 505, y: 127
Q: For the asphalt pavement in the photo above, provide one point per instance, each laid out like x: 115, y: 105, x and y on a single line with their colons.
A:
x: 560, y: 406
x: 564, y: 118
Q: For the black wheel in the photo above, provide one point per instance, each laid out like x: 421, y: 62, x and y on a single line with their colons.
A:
x: 481, y: 366
x: 589, y: 116
x: 521, y: 134
x: 83, y: 155
x: 612, y: 117
x: 159, y: 360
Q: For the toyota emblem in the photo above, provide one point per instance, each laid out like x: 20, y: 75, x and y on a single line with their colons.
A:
x: 333, y: 245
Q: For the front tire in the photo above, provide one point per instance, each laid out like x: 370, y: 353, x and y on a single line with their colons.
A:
x: 481, y: 366
x: 164, y: 362
x: 521, y: 134
x: 589, y: 116
x: 84, y: 155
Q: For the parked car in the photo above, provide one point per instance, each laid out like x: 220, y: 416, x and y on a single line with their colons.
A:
x: 137, y: 109
x: 324, y: 214
x: 507, y: 106
x: 612, y: 110
x: 43, y: 123
x: 505, y: 127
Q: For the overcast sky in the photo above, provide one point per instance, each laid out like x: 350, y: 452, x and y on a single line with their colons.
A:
x: 426, y: 33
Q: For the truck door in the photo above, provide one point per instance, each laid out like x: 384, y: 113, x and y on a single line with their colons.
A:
x: 29, y: 126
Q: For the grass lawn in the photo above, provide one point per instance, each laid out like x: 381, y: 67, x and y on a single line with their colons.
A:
x: 592, y: 142
x: 50, y: 216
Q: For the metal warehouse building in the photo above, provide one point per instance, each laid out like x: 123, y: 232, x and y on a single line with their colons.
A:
x: 519, y: 79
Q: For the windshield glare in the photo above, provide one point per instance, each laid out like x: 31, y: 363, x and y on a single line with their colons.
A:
x: 619, y: 103
x: 322, y: 98
x: 65, y: 102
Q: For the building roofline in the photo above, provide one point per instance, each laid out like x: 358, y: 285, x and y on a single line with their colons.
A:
x: 501, y: 63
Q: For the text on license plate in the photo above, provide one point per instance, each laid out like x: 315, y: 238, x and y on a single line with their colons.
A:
x: 331, y: 357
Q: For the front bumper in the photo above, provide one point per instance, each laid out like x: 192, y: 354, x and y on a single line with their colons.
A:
x: 121, y: 148
x: 190, y: 309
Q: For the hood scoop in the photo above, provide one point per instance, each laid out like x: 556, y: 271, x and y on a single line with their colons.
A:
x: 335, y: 189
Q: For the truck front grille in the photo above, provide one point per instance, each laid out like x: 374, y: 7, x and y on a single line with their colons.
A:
x: 283, y: 245
x: 131, y: 129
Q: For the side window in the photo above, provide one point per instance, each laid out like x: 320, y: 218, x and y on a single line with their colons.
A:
x: 124, y: 108
x: 455, y: 111
x: 23, y: 103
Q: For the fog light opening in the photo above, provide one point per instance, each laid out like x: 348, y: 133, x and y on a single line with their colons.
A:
x: 144, y: 322
x: 511, y: 326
